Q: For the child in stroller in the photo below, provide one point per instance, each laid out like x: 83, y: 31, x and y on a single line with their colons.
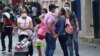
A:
x: 25, y: 42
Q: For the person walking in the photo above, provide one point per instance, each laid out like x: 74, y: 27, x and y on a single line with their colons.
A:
x: 7, y: 30
x: 60, y: 31
x: 73, y: 39
x: 50, y: 38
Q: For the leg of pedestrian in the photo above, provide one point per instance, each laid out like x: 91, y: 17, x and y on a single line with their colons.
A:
x: 50, y: 45
x: 76, y: 47
x: 47, y: 45
x: 10, y: 41
x: 63, y: 39
x: 39, y: 51
x: 3, y: 35
x: 70, y: 45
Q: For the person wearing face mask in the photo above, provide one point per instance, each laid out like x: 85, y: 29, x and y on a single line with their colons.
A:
x: 25, y: 22
x: 60, y: 31
x: 73, y: 39
x: 49, y: 21
x: 67, y: 6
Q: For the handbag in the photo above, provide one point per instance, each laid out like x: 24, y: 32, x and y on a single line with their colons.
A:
x: 68, y: 27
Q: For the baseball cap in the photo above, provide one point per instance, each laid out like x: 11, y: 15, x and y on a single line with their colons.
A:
x: 52, y: 6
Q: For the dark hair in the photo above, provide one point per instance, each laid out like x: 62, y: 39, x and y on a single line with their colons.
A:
x: 37, y: 21
x: 7, y: 10
x: 63, y: 11
x: 52, y: 6
x: 67, y: 3
x: 45, y: 10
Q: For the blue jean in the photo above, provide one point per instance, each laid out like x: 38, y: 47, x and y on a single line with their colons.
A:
x: 73, y: 42
x: 50, y: 45
x: 63, y: 39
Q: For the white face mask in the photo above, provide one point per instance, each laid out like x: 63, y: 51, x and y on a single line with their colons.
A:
x: 67, y: 8
x: 24, y: 15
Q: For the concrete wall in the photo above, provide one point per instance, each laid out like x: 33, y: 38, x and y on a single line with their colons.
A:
x: 87, y: 18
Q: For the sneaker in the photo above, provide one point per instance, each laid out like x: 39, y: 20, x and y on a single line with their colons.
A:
x: 3, y: 49
x: 9, y: 50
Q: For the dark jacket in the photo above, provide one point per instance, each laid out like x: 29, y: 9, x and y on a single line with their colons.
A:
x: 60, y: 25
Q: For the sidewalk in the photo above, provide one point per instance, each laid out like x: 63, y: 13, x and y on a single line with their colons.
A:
x: 90, y: 39
x: 86, y: 49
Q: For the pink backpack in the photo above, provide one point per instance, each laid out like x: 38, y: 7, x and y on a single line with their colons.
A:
x: 68, y: 27
x: 41, y: 31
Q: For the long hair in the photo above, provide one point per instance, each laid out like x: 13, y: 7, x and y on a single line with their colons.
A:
x: 67, y: 14
x: 63, y: 12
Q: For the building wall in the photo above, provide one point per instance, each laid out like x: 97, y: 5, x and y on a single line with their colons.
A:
x: 45, y: 3
x: 87, y: 18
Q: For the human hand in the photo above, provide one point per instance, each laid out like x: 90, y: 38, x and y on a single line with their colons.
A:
x: 55, y: 36
x: 77, y: 30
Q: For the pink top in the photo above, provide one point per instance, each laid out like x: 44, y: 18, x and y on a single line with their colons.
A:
x: 50, y: 18
x: 68, y: 22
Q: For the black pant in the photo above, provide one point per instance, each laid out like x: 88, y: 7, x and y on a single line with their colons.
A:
x: 30, y: 50
x: 1, y: 24
x: 63, y: 40
x: 7, y: 32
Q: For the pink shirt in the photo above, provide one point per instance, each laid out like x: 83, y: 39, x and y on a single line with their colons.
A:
x: 50, y: 18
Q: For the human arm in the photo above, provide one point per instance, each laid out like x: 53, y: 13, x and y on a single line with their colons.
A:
x: 61, y: 25
x: 76, y: 22
x: 30, y: 24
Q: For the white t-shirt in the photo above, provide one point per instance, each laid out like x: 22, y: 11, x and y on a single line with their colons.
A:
x: 24, y: 22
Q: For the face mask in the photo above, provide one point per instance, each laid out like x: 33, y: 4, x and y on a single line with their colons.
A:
x: 24, y: 15
x: 67, y: 8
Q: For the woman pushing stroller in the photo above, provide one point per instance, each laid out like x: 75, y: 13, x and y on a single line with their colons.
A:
x: 25, y: 22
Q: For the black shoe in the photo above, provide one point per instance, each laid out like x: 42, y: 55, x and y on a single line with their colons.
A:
x: 3, y: 49
x: 77, y: 55
x: 9, y: 50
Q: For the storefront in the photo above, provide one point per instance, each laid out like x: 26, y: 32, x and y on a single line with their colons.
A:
x: 96, y: 17
x: 90, y: 17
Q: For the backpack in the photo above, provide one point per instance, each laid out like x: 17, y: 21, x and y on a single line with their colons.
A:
x: 9, y: 22
x: 68, y: 27
x: 8, y: 19
x: 41, y: 31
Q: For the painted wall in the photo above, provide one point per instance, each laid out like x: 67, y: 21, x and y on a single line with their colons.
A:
x: 86, y: 18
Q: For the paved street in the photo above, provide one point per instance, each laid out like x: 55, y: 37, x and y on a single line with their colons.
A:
x: 85, y: 49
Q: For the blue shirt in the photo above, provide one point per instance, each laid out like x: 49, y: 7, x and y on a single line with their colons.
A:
x: 60, y: 25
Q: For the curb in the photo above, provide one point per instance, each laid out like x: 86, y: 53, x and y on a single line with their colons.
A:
x: 90, y: 40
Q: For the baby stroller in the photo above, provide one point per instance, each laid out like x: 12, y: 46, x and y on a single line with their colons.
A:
x: 24, y: 47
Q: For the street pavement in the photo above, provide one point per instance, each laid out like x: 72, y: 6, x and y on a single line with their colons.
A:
x: 85, y: 49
